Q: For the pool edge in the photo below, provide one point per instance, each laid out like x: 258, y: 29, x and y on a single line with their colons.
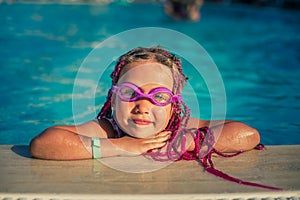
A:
x: 17, y: 168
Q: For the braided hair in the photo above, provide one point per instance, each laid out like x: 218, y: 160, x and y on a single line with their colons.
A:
x: 176, y: 148
x: 164, y: 57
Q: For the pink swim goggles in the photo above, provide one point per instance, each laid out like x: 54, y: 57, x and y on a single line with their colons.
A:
x: 158, y: 96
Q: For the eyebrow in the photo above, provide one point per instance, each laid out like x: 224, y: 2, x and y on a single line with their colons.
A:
x: 140, y: 87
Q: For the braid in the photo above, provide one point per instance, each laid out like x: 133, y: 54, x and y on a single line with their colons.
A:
x: 157, y: 54
x: 176, y: 149
x: 180, y: 111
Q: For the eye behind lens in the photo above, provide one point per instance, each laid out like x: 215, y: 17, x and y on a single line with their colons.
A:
x: 127, y: 92
x: 162, y: 97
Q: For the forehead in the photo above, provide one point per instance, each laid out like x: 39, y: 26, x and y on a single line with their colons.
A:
x: 142, y: 74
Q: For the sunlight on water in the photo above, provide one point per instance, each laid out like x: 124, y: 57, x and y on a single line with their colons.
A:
x: 256, y: 51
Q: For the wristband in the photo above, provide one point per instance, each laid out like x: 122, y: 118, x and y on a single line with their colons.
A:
x: 96, y: 147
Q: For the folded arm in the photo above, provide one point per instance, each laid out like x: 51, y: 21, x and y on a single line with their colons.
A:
x: 230, y: 136
x: 74, y: 142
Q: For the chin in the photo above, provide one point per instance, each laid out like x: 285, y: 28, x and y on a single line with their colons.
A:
x: 140, y: 134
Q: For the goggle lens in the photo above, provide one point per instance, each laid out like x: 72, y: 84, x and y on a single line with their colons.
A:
x: 158, y: 96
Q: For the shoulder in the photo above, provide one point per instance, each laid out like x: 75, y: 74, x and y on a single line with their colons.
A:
x: 97, y: 128
x: 93, y: 128
x: 197, y: 123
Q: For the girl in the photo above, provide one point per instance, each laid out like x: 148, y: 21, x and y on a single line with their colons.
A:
x: 144, y: 113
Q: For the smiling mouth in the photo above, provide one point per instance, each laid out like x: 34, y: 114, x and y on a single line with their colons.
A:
x: 141, y: 122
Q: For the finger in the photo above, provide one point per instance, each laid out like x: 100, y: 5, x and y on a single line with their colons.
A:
x: 158, y: 142
x: 160, y: 149
x: 163, y: 133
x: 158, y: 139
x: 157, y: 145
x: 166, y: 136
x: 159, y: 135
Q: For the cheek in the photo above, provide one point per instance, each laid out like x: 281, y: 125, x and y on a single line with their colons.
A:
x: 121, y: 110
x: 162, y: 115
x: 122, y: 105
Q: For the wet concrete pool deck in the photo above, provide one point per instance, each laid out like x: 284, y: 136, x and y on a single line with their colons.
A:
x: 23, y: 177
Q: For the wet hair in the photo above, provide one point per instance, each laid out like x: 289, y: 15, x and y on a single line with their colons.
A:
x: 181, y: 112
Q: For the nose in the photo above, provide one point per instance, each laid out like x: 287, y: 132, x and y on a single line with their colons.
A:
x: 142, y: 106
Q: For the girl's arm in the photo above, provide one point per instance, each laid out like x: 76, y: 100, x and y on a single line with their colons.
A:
x: 236, y: 136
x: 231, y: 136
x: 66, y: 142
x: 74, y: 142
x: 60, y: 143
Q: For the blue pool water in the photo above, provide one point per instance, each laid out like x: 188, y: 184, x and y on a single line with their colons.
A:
x: 256, y: 50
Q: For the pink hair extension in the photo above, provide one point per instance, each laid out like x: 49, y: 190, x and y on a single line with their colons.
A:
x: 176, y: 148
x: 157, y: 54
x: 202, y: 136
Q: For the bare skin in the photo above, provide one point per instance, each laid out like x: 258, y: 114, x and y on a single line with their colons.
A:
x: 74, y: 142
x: 66, y: 142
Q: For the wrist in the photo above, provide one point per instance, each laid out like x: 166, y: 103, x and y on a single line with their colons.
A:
x: 121, y: 147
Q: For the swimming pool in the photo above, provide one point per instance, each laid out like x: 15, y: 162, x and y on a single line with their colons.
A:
x: 256, y: 50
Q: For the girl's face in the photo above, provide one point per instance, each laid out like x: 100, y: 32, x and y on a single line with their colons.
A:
x: 141, y: 118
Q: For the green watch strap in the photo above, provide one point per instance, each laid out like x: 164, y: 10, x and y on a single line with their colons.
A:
x: 96, y: 147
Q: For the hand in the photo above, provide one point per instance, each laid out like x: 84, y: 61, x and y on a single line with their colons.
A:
x: 136, y: 146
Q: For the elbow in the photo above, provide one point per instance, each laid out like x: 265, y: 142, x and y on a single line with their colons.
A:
x: 56, y: 143
x: 254, y: 138
x: 40, y: 145
x: 248, y: 139
x: 34, y: 147
x: 238, y: 137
